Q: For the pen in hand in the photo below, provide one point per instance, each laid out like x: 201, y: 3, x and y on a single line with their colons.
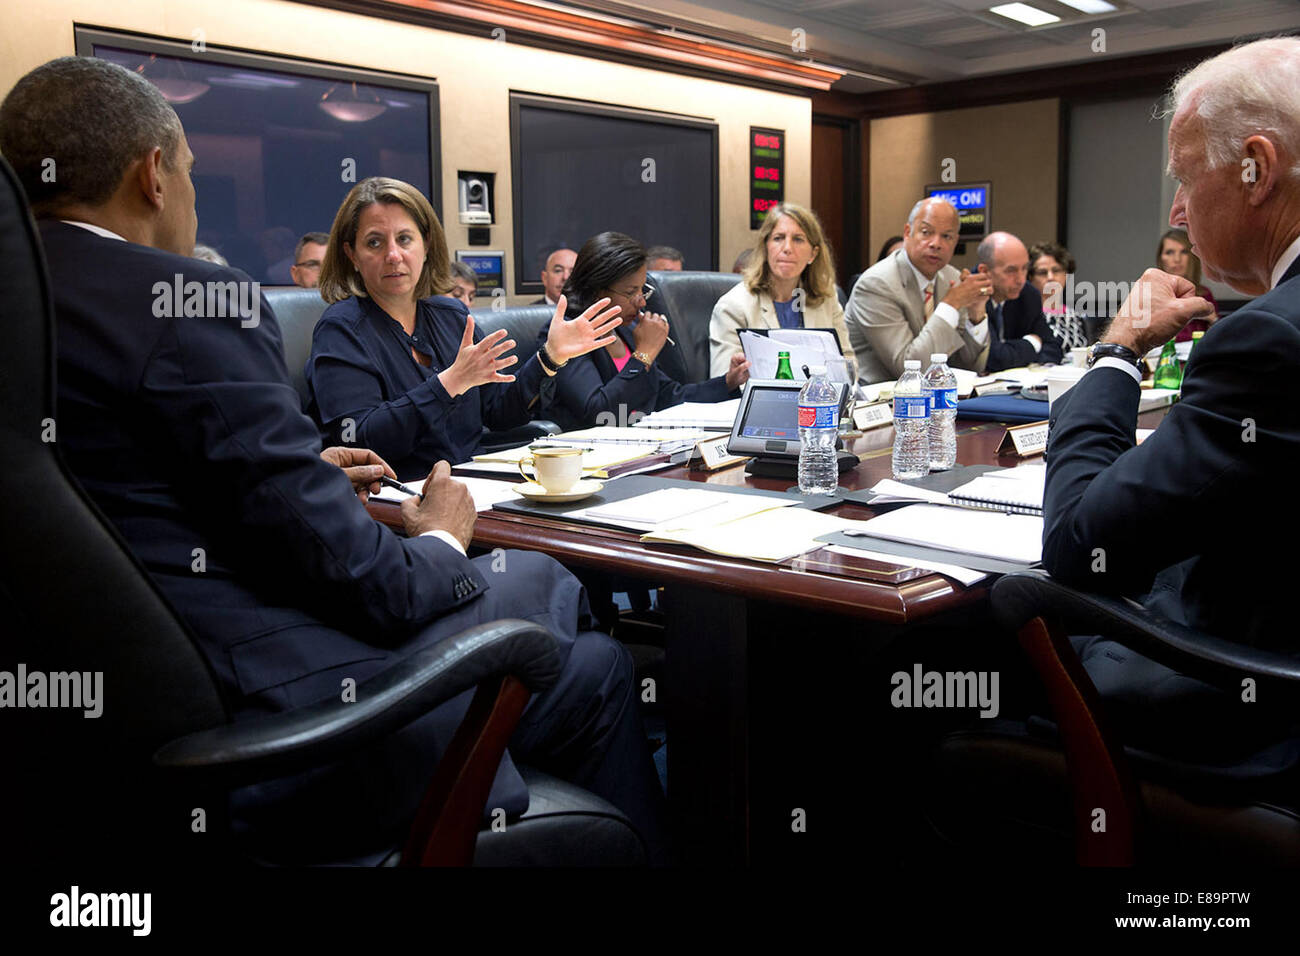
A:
x: 392, y: 483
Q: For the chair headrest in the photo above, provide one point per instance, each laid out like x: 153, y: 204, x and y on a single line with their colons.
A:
x: 27, y: 387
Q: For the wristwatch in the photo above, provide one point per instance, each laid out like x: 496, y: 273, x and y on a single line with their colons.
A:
x: 1114, y: 350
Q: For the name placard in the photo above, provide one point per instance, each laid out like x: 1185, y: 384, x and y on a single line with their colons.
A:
x: 1024, y: 441
x: 867, y: 417
x: 713, y: 453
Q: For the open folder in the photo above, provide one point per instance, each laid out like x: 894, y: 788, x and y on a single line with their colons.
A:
x: 806, y: 347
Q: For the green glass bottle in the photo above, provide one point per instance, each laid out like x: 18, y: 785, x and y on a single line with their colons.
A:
x: 1168, y: 372
x: 783, y: 366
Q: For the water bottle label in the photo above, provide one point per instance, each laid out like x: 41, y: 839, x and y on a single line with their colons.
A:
x: 943, y: 398
x: 817, y: 416
x: 911, y: 406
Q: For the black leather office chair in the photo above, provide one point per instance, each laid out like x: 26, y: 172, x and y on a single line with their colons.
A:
x: 125, y: 785
x: 688, y: 299
x: 524, y: 324
x: 297, y: 311
x: 1038, y: 793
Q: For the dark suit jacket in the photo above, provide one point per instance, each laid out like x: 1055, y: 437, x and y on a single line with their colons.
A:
x: 361, y: 370
x: 1021, y: 316
x: 591, y: 385
x: 188, y: 434
x: 1188, y: 513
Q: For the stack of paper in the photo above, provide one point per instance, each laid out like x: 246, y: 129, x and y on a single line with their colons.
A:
x: 667, y: 439
x: 674, y: 508
x: 771, y: 535
x: 989, y: 534
x: 708, y: 415
x: 597, y: 460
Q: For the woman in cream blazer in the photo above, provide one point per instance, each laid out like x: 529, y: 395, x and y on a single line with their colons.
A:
x: 790, y: 274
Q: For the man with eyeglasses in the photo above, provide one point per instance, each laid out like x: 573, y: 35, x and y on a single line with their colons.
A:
x: 912, y: 303
x: 307, y: 257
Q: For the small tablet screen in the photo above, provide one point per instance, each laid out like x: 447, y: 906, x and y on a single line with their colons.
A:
x: 772, y: 413
x: 768, y: 421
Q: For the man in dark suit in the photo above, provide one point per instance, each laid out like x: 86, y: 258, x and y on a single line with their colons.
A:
x: 1018, y: 329
x: 1182, y: 517
x: 177, y: 416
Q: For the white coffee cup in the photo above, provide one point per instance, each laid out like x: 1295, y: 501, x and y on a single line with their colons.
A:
x: 1079, y: 357
x: 1060, y: 380
x: 555, y: 469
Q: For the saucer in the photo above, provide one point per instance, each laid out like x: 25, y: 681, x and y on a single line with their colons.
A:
x: 583, y: 489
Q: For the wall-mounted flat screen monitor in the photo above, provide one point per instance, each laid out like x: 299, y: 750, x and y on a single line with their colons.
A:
x: 279, y: 142
x: 582, y: 168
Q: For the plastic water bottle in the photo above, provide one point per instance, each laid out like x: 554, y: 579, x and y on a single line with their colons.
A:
x: 818, y: 412
x: 940, y: 387
x: 911, y: 424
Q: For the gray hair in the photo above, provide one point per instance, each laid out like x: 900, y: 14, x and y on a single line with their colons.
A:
x: 208, y: 254
x: 916, y: 210
x: 664, y: 252
x: 1252, y: 88
x: 71, y: 127
x: 463, y: 272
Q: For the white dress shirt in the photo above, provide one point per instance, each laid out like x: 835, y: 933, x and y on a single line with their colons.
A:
x: 948, y: 313
x: 91, y: 227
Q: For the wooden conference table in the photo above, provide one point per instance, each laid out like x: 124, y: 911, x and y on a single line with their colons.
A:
x: 729, y: 624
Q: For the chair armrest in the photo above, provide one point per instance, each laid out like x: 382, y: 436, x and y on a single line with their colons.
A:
x: 275, y: 746
x: 1023, y: 595
x: 514, y: 437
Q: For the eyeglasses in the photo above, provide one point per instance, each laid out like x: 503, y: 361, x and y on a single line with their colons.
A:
x: 1049, y: 271
x: 644, y: 292
x: 308, y: 264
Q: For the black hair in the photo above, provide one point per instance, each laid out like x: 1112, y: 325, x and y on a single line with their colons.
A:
x: 884, y: 250
x: 603, y: 260
x: 71, y: 127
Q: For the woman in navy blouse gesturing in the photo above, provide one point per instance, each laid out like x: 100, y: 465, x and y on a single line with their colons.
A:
x: 396, y: 367
x: 623, y: 381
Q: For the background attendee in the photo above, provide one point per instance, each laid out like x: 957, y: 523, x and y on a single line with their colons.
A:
x: 1018, y: 330
x: 1050, y: 263
x: 742, y: 260
x: 464, y: 283
x: 1175, y: 256
x: 554, y: 274
x: 407, y: 375
x: 187, y: 434
x: 791, y: 255
x: 1201, y: 477
x: 277, y: 247
x: 623, y: 377
x: 307, y: 258
x: 890, y: 246
x: 208, y: 254
x: 912, y: 303
x: 664, y: 259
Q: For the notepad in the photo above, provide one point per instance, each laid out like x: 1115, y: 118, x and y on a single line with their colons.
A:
x: 484, y: 491
x: 1006, y: 537
x: 1004, y: 491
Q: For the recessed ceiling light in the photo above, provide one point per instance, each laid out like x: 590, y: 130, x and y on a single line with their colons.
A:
x: 1090, y: 6
x: 1024, y: 13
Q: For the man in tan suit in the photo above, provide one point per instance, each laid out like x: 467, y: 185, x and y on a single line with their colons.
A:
x: 913, y: 303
